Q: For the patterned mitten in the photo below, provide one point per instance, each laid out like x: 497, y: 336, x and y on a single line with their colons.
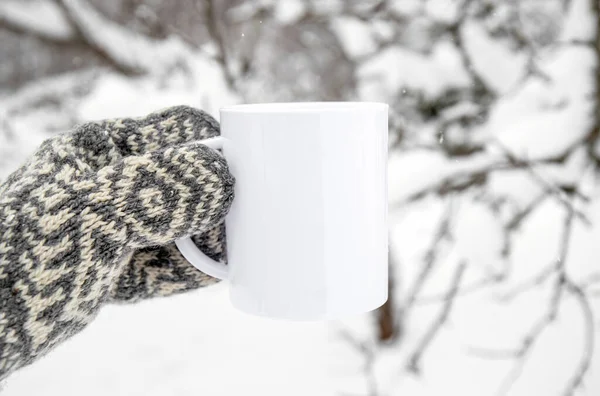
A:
x: 91, y: 218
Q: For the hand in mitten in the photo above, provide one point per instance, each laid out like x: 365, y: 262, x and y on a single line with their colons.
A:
x: 91, y: 218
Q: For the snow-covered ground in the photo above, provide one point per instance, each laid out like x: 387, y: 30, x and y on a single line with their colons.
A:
x: 186, y: 345
x: 496, y: 339
x: 197, y: 343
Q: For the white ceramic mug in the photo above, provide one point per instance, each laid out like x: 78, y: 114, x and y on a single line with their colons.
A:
x: 307, y: 230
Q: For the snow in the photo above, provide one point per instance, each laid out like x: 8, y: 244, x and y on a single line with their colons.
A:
x: 479, y: 320
x: 355, y: 36
x: 579, y: 23
x: 427, y: 170
x: 499, y: 67
x: 110, y: 95
x: 329, y: 7
x: 189, y: 344
x: 533, y: 121
x: 406, y: 7
x: 185, y: 345
x: 288, y: 11
x: 517, y: 186
x: 398, y: 67
x: 384, y: 30
x: 129, y: 49
x: 22, y: 131
x: 442, y: 10
x: 119, y: 96
x: 40, y: 16
x: 487, y: 252
x: 198, y: 344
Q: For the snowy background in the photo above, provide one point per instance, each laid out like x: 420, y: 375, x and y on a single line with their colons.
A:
x: 494, y: 173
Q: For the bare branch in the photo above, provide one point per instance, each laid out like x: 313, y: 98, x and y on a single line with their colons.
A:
x: 482, y: 90
x: 588, y: 347
x: 464, y: 291
x: 442, y: 233
x: 369, y: 355
x: 214, y: 29
x: 532, y: 69
x: 561, y: 281
x: 466, y: 179
x: 517, y: 220
x: 556, y: 192
x: 528, y: 284
x: 414, y: 361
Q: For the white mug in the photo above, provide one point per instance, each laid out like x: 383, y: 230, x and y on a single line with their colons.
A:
x: 307, y: 230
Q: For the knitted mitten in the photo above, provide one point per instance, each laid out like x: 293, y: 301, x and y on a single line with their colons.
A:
x: 91, y: 217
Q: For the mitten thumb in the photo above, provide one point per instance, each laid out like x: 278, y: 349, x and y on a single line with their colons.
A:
x: 156, y: 198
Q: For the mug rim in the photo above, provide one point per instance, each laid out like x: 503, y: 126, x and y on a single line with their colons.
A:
x: 303, y: 107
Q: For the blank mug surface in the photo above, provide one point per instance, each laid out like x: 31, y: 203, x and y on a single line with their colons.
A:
x: 307, y: 231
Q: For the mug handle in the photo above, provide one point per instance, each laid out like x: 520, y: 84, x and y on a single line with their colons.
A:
x: 188, y: 248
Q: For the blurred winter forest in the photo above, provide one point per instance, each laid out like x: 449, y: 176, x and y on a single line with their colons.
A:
x: 494, y: 170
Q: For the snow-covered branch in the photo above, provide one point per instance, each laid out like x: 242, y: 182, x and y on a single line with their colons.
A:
x: 562, y: 284
x: 76, y: 21
x: 130, y: 52
x: 414, y: 362
x: 42, y: 18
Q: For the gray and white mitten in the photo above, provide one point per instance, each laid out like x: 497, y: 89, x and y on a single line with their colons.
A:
x: 91, y: 218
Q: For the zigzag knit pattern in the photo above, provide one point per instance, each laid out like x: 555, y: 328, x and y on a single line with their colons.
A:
x: 91, y: 217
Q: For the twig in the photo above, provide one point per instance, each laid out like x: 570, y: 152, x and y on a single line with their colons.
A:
x: 463, y: 292
x: 528, y: 284
x: 369, y: 354
x: 532, y: 69
x: 523, y: 351
x: 215, y: 32
x: 481, y: 89
x: 430, y: 259
x: 517, y: 220
x: 464, y: 180
x: 588, y: 346
x: 560, y: 195
x: 414, y: 361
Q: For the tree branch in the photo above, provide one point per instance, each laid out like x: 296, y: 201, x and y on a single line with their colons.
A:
x: 556, y: 192
x: 430, y: 259
x: 43, y: 19
x: 212, y: 25
x: 562, y: 283
x: 588, y: 346
x: 414, y: 361
x: 517, y: 220
x: 485, y: 94
x: 128, y: 52
x: 369, y: 354
x: 464, y: 291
